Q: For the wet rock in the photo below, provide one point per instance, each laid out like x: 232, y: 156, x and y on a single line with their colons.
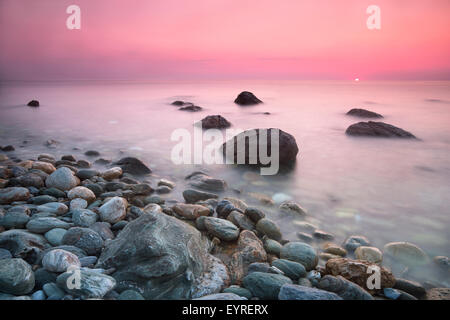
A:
x: 141, y: 189
x: 241, y: 221
x: 39, y: 200
x: 78, y: 203
x: 272, y: 247
x: 164, y: 265
x: 300, y: 252
x: 133, y: 166
x: 16, y: 217
x: 296, y: 292
x: 191, y: 108
x: 363, y: 113
x: 103, y: 229
x: 269, y: 228
x: 5, y: 254
x: 13, y: 194
x: 43, y: 277
x: 291, y: 206
x: 16, y: 277
x: 411, y: 287
x: 344, y: 288
x: 54, y: 236
x: 54, y: 193
x: 93, y: 284
x: 287, y: 146
x: 291, y: 269
x: 265, y: 286
x: 377, y: 129
x: 215, y: 122
x: 406, y: 253
x: 190, y: 211
x: 53, y: 207
x: 33, y: 103
x: 249, y: 250
x: 88, y: 261
x: 27, y: 180
x: 213, y: 280
x: 113, y: 173
x: 322, y: 235
x: 59, y: 260
x: 81, y: 192
x: 192, y: 196
x: 335, y: 249
x: 246, y: 98
x: 438, y: 294
x: 222, y: 229
x: 353, y: 242
x: 203, y: 181
x: 38, y: 295
x: 84, y: 174
x: 84, y: 217
x: 370, y: 254
x: 53, y: 291
x: 356, y: 271
x: 254, y: 214
x: 44, y: 224
x: 92, y: 153
x: 62, y: 179
x: 163, y: 190
x: 114, y: 210
x: 85, y: 239
x: 130, y: 295
x: 23, y: 244
x: 167, y: 183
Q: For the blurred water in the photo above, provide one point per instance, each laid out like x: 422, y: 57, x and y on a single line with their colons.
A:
x: 385, y: 189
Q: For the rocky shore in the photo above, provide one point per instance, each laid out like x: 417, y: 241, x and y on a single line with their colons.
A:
x: 107, y: 221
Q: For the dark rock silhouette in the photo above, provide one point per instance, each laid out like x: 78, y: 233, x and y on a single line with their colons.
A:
x: 363, y: 113
x: 377, y: 129
x: 216, y: 122
x: 33, y: 103
x: 246, y: 98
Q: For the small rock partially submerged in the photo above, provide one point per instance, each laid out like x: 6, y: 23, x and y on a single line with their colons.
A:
x: 377, y: 129
x: 363, y: 113
x: 33, y: 103
x: 246, y: 98
x: 215, y: 122
x: 133, y: 166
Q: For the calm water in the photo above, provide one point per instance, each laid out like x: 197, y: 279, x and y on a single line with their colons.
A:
x: 385, y: 189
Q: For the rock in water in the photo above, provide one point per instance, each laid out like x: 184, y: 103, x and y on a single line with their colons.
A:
x: 191, y: 108
x: 406, y: 253
x: 192, y: 196
x: 377, y: 129
x: 241, y: 144
x: 16, y: 277
x: 92, y: 284
x: 203, y: 181
x: 344, y: 288
x: 296, y: 292
x: 356, y: 271
x: 215, y: 122
x: 265, y: 285
x: 363, y: 113
x: 12, y: 194
x: 159, y: 254
x: 133, y: 166
x: 246, y: 98
x: 33, y: 103
x: 62, y: 179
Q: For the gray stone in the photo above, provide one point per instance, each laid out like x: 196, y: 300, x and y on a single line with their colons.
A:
x: 300, y: 252
x: 113, y: 210
x: 85, y: 239
x: 203, y: 181
x: 16, y: 276
x: 16, y: 217
x: 53, y: 207
x: 241, y: 221
x: 222, y: 229
x: 265, y: 285
x: 62, y: 179
x: 42, y: 225
x: 78, y: 203
x: 254, y: 214
x: 84, y: 174
x: 5, y: 254
x: 353, y: 242
x: 192, y: 196
x: 88, y: 261
x: 269, y: 228
x: 103, y: 229
x: 133, y: 166
x: 272, y: 247
x: 54, y: 236
x: 84, y: 217
x: 12, y: 194
x: 130, y: 295
x: 344, y: 288
x: 291, y: 269
x: 296, y: 292
x: 38, y: 295
x: 242, y: 292
x: 23, y: 244
x: 59, y: 260
x: 39, y: 200
x: 222, y: 296
x: 53, y: 290
x: 93, y: 284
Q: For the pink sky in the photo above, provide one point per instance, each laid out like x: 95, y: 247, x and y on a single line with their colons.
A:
x: 215, y: 39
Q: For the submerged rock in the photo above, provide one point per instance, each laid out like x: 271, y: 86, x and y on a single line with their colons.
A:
x: 163, y: 265
x: 287, y: 147
x: 377, y: 129
x: 246, y: 98
x: 215, y: 122
x: 33, y: 103
x: 406, y: 253
x: 191, y: 108
x: 133, y: 166
x: 192, y: 196
x: 203, y: 181
x: 363, y: 113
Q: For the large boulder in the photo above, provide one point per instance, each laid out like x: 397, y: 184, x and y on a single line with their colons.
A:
x: 16, y: 277
x: 133, y: 166
x: 161, y: 256
x: 246, y: 98
x: 62, y: 179
x: 377, y: 129
x: 363, y: 113
x: 215, y: 122
x: 287, y: 147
